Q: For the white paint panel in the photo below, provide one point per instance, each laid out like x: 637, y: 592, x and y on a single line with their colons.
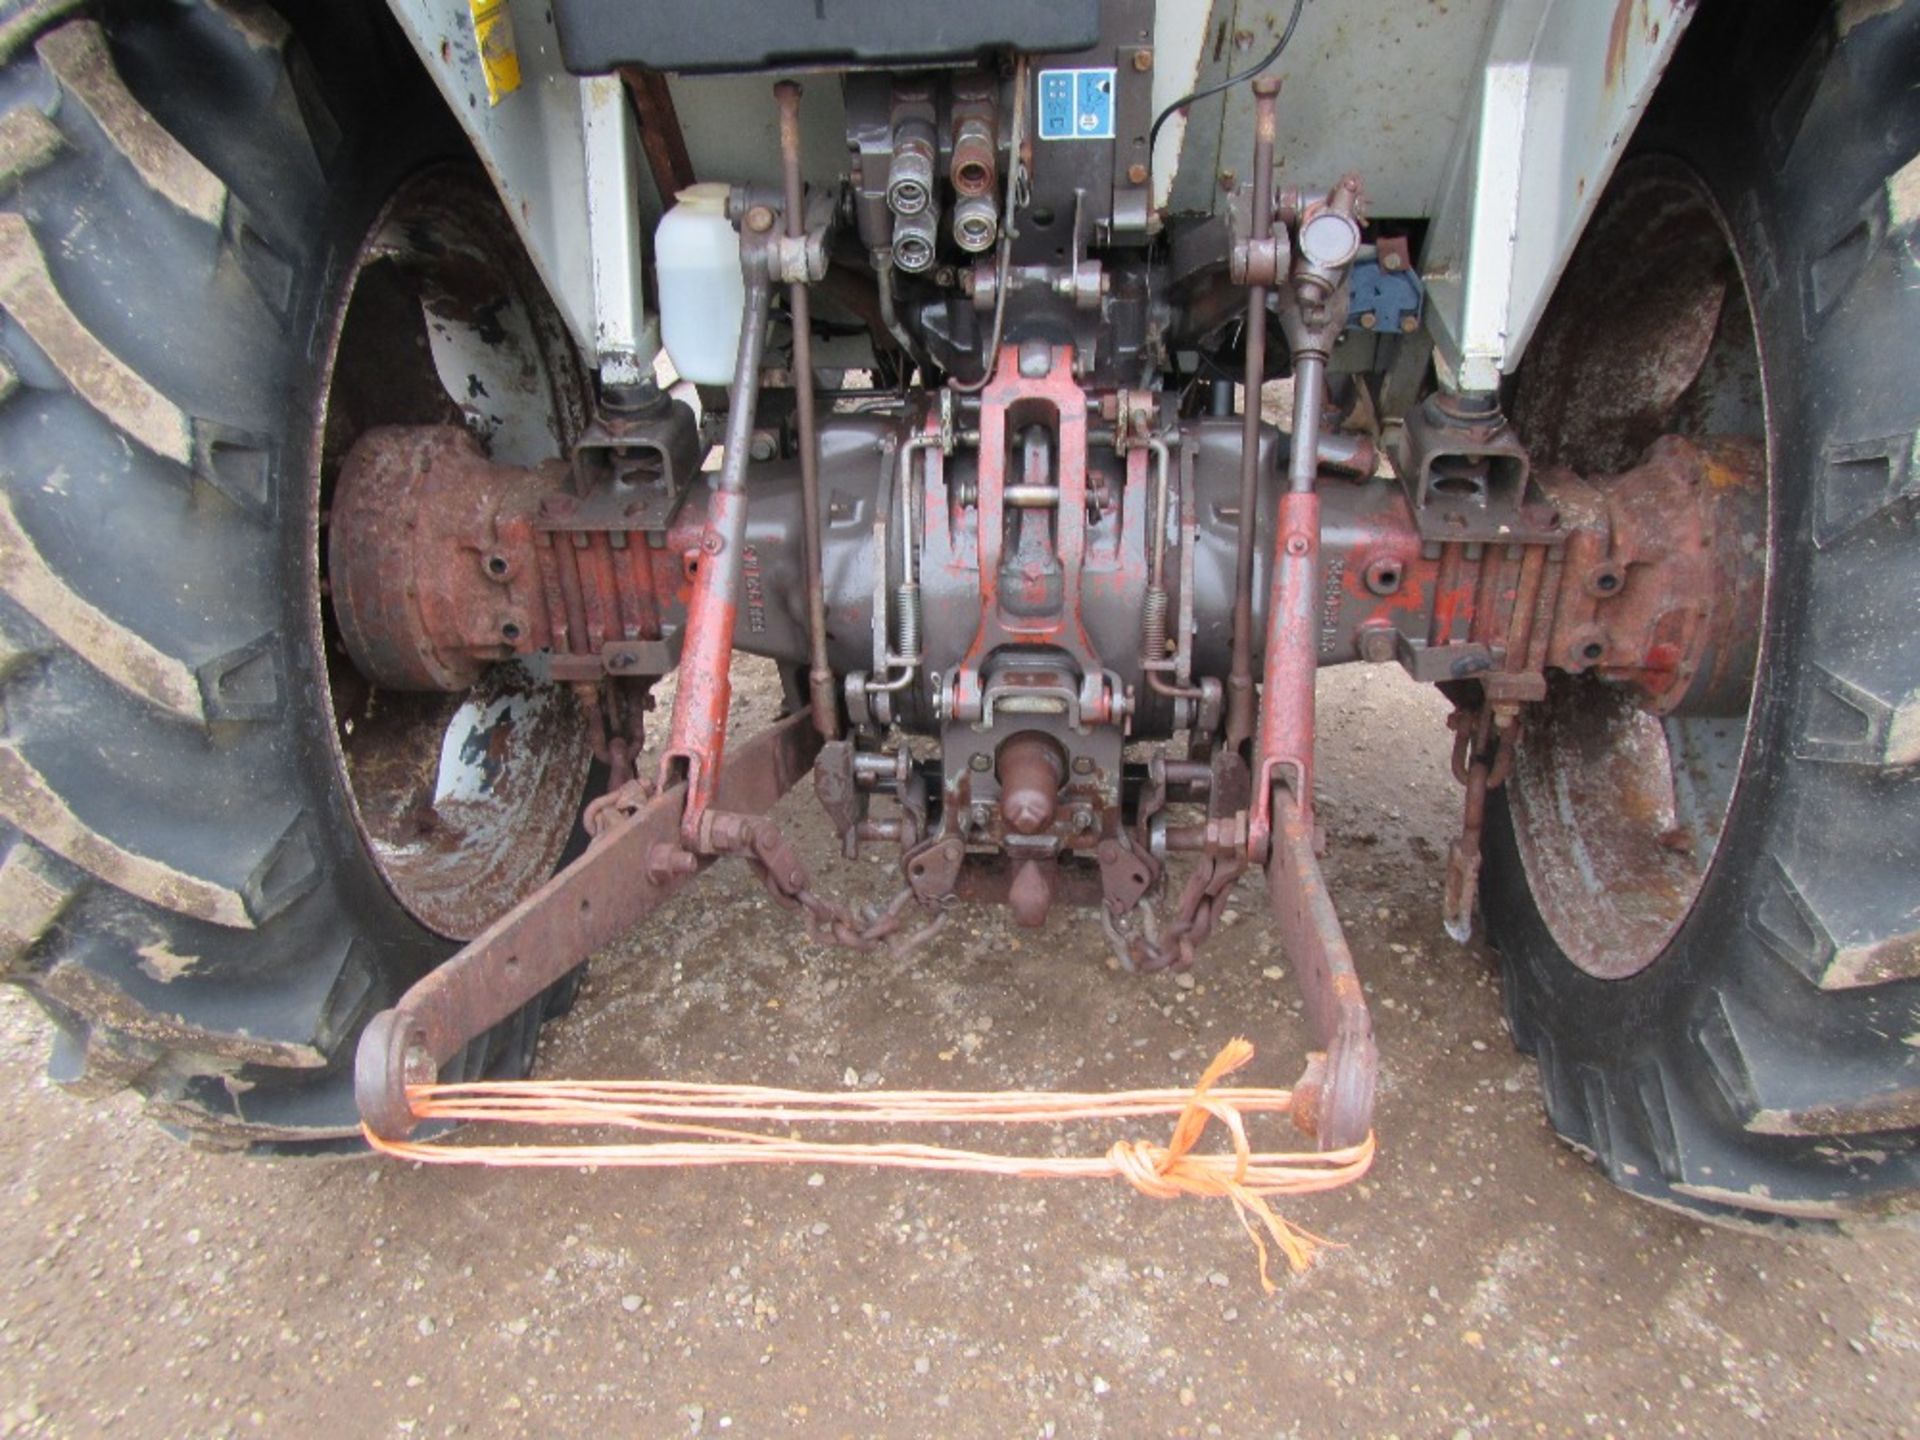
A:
x: 1377, y: 86
x: 1179, y: 33
x: 1560, y: 89
x: 532, y: 143
x: 622, y: 339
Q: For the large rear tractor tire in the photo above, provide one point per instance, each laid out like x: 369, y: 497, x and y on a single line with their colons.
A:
x: 1710, y: 925
x: 229, y: 241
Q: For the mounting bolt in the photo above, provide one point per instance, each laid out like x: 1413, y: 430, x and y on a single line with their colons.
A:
x: 1409, y: 323
x: 1378, y: 644
x: 982, y: 761
x: 1083, y: 764
x: 759, y: 219
x: 712, y: 543
x: 1228, y: 179
x: 1136, y: 174
x: 982, y: 816
x: 1143, y: 60
x: 667, y: 862
x: 1368, y: 320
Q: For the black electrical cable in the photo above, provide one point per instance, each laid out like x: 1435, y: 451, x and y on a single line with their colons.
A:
x: 1153, y: 134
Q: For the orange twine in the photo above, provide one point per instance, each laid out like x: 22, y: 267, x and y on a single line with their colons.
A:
x: 1245, y: 1177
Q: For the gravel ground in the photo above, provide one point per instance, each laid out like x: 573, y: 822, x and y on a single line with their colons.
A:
x: 1490, y: 1284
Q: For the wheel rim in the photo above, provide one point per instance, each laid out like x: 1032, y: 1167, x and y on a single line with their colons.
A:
x: 466, y: 802
x: 1617, y: 811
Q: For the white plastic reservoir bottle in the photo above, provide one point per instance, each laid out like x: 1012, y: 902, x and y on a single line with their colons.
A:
x: 697, y: 258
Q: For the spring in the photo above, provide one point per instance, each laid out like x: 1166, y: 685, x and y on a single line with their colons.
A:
x: 1153, y: 625
x: 906, y: 622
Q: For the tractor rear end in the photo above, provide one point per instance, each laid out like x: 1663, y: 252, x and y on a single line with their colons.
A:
x: 959, y: 421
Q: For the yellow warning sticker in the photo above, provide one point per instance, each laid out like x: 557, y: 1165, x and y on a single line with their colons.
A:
x: 493, y: 36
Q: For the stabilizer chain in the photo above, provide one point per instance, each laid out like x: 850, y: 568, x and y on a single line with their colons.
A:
x: 1174, y: 948
x: 761, y: 842
x: 1483, y: 749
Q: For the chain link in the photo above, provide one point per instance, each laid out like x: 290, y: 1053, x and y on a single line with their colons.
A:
x: 1483, y: 747
x: 1483, y: 739
x: 608, y: 810
x: 759, y: 841
x: 1201, y: 902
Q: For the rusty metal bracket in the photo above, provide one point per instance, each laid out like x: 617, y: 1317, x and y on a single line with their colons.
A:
x: 1333, y: 1101
x: 616, y: 658
x: 630, y: 472
x: 1482, y: 756
x: 1436, y: 664
x: 660, y: 134
x: 594, y: 901
x: 1469, y: 478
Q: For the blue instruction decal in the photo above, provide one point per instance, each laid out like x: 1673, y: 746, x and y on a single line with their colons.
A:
x: 1076, y: 104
